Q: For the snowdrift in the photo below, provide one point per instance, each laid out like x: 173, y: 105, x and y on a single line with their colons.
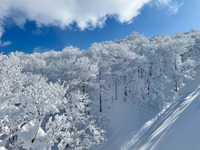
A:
x: 124, y: 119
x: 175, y: 128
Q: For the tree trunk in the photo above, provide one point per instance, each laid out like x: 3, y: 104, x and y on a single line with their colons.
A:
x: 176, y: 85
x: 125, y: 92
x: 100, y: 96
x: 116, y: 89
x: 176, y: 82
x: 100, y: 100
x: 83, y: 87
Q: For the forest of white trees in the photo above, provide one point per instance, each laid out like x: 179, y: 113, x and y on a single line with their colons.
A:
x: 57, y: 100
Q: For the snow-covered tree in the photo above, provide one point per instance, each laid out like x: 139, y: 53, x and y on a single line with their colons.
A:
x: 37, y: 114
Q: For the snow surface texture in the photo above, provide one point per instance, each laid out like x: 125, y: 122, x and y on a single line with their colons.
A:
x: 175, y: 128
x: 123, y: 119
x: 171, y: 127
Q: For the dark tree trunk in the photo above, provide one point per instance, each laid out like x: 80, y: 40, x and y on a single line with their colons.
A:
x: 176, y: 85
x: 125, y: 92
x: 116, y: 89
x: 83, y: 87
x: 100, y: 89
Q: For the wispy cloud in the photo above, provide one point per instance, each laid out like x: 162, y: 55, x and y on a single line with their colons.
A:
x: 2, y: 43
x: 6, y: 43
x: 41, y: 50
x: 172, y: 5
x: 1, y: 33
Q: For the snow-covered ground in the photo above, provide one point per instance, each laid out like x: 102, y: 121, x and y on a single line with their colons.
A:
x: 184, y: 131
x: 176, y: 127
x: 125, y: 120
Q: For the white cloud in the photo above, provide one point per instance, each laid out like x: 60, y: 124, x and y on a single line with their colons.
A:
x: 6, y: 43
x: 64, y: 13
x: 2, y: 43
x: 1, y: 33
x: 41, y: 50
x: 172, y: 5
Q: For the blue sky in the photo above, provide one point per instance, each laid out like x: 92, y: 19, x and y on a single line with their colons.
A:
x: 25, y: 33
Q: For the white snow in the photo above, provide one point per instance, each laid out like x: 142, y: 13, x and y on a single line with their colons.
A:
x: 124, y: 119
x: 154, y: 134
x: 176, y: 127
x: 184, y: 133
x: 2, y: 148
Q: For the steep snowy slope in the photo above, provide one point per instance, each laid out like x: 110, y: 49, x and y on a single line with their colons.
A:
x: 175, y: 124
x: 177, y: 127
x: 184, y: 133
x: 124, y: 119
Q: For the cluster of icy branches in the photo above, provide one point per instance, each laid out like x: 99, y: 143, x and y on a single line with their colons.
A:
x: 57, y: 99
x: 36, y: 114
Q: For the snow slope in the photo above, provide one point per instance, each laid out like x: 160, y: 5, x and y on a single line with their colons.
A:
x: 177, y: 127
x: 184, y: 133
x: 124, y: 119
x: 176, y: 124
